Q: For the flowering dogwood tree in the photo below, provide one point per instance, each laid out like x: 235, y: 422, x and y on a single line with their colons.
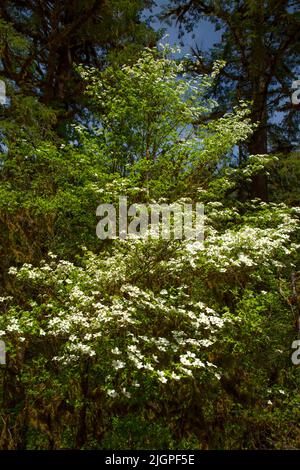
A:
x: 165, y: 330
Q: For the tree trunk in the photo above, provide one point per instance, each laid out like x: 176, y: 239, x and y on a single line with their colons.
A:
x: 258, y: 145
x: 257, y: 68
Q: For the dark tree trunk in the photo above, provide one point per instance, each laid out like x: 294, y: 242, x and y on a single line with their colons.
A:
x: 259, y: 91
x: 81, y: 435
x: 258, y: 145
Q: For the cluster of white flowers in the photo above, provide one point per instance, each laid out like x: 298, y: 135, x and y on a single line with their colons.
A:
x: 247, y: 247
x: 103, y: 312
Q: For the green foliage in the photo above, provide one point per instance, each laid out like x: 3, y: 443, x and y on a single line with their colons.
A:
x: 259, y: 43
x: 48, y: 200
x: 41, y: 44
x: 146, y: 343
x: 284, y: 179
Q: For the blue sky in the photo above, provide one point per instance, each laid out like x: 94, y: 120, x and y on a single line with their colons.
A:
x: 204, y: 35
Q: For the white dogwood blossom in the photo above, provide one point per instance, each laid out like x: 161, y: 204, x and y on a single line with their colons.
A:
x: 106, y: 314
